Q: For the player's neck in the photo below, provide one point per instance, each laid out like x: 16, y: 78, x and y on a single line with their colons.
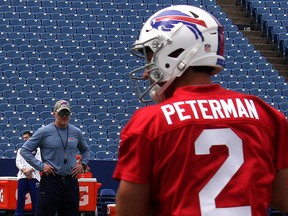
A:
x: 194, y: 79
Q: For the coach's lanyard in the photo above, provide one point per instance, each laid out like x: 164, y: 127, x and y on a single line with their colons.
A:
x: 63, y: 144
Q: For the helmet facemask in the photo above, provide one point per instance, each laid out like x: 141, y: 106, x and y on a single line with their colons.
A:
x: 144, y: 86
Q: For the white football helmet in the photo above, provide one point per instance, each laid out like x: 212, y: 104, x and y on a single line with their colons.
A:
x: 179, y: 36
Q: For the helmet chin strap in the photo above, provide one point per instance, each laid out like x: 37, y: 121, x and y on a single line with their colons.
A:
x: 157, y: 93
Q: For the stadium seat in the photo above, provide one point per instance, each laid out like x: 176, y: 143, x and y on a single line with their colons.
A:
x: 279, y: 99
x: 27, y: 93
x: 6, y: 86
x: 85, y: 101
x: 16, y: 140
x: 10, y: 93
x: 113, y: 135
x: 107, y: 88
x: 22, y: 127
x: 17, y: 120
x: 33, y: 100
x: 20, y: 87
x: 72, y: 87
x: 273, y: 92
x: 283, y: 106
x: 105, y: 116
x: 85, y: 115
x: 95, y: 125
x: 97, y: 147
x: 11, y: 133
x: 285, y: 49
x: 228, y: 77
x: 250, y: 85
x: 98, y: 134
x: 3, y: 127
x: 244, y: 78
x: 89, y: 88
x: 10, y: 153
x: 276, y: 78
x: 42, y: 108
x: 262, y: 22
x: 113, y: 95
x: 113, y: 148
x: 105, y: 141
x: 5, y: 121
x: 3, y: 140
x: 104, y: 155
x: 35, y: 120
x: 258, y: 60
x: 106, y: 195
x: 90, y: 141
x: 109, y: 121
x: 257, y: 10
x: 15, y: 56
x: 79, y: 94
x: 281, y: 85
x: 280, y: 38
x: 234, y: 84
x: 261, y: 78
x: 96, y: 95
x: 48, y: 4
x: 266, y: 85
x: 45, y: 114
x: 85, y: 81
x: 80, y: 108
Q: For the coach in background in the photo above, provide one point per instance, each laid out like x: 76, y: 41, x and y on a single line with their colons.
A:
x: 59, y: 143
x: 202, y: 149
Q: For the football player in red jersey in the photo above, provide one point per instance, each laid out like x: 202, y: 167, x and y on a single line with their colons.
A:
x: 201, y: 150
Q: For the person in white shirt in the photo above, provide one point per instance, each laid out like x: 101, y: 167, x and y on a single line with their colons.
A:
x: 28, y: 180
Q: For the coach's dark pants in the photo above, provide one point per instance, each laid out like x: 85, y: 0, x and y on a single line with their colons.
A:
x: 58, y: 194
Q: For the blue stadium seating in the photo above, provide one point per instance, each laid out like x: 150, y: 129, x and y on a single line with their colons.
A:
x: 75, y: 50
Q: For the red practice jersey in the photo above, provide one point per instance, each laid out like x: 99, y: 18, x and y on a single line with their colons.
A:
x: 205, y: 151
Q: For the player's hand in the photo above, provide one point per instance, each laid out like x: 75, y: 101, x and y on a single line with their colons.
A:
x: 48, y: 170
x: 77, y: 170
x: 29, y: 176
x: 26, y: 172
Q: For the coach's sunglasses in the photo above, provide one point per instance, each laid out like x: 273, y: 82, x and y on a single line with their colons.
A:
x: 64, y: 113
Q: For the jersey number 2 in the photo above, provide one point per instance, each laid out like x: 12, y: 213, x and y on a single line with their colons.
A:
x: 207, y: 195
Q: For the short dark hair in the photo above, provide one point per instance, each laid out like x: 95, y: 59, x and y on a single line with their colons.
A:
x: 29, y: 133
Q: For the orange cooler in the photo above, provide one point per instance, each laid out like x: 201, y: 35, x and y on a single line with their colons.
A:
x: 8, y: 194
x: 88, y: 188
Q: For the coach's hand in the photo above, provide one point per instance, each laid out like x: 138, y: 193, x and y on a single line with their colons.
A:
x: 77, y: 170
x: 48, y: 169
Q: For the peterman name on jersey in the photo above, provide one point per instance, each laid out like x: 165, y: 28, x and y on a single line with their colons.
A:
x: 210, y: 109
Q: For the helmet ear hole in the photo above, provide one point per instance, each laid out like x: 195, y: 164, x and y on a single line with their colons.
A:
x: 167, y: 65
x: 176, y: 53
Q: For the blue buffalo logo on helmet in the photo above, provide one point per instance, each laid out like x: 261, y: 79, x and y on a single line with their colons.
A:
x: 166, y: 20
